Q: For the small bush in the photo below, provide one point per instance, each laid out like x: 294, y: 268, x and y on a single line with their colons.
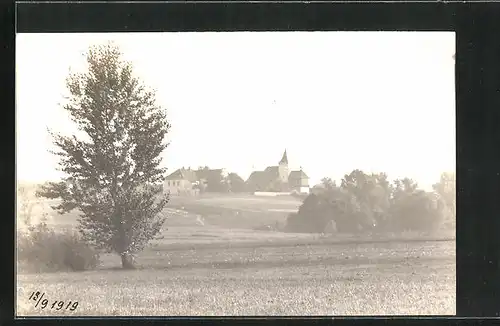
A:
x: 41, y: 249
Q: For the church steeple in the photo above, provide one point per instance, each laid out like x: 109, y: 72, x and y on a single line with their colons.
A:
x: 284, y: 159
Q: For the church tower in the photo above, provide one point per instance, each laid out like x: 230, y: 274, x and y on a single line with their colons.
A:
x: 283, y: 168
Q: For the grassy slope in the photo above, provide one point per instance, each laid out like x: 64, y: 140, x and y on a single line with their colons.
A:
x: 238, y: 211
x: 242, y: 211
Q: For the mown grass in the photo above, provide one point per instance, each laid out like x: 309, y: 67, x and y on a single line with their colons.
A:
x: 302, y: 280
x: 278, y: 291
x: 363, y: 290
x: 220, y: 268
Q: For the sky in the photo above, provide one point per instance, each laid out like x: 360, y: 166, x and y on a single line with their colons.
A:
x: 336, y: 101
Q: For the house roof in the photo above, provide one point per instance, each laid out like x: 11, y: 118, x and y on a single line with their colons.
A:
x: 194, y: 175
x: 259, y: 177
x: 182, y: 174
x: 207, y: 173
x: 176, y: 175
x: 272, y: 171
x: 298, y: 175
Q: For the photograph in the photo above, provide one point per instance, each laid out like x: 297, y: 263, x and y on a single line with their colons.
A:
x: 235, y: 174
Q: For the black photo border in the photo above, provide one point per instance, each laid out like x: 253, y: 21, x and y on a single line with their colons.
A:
x: 477, y: 28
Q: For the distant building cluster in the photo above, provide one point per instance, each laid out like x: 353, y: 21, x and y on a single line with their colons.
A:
x: 279, y: 179
x: 272, y: 179
x: 192, y: 182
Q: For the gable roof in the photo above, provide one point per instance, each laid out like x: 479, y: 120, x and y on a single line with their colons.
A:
x: 272, y: 171
x: 208, y: 173
x: 259, y: 177
x: 298, y: 175
x: 176, y: 175
x: 182, y: 174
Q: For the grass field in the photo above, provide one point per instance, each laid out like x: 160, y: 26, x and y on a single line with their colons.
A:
x: 205, y: 268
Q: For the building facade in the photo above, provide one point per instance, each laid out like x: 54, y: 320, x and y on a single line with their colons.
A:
x: 180, y: 182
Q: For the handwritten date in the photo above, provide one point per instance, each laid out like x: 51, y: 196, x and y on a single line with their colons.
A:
x: 45, y: 303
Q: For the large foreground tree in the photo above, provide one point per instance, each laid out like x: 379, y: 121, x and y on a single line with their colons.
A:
x: 112, y: 169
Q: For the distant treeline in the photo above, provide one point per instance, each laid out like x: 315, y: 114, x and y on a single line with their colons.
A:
x: 369, y: 202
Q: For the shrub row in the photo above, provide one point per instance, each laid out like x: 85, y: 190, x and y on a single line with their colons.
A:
x: 369, y: 203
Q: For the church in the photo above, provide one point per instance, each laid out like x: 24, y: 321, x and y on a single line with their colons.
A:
x: 279, y: 179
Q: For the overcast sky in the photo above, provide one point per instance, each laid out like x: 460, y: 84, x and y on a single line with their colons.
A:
x: 377, y: 101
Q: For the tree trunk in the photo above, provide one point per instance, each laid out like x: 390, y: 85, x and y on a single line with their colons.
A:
x: 127, y: 261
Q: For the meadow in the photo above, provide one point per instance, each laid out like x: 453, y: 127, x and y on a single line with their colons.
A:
x: 210, y: 261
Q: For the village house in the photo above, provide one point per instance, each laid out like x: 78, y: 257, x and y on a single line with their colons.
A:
x: 180, y: 182
x: 279, y: 179
x: 190, y: 182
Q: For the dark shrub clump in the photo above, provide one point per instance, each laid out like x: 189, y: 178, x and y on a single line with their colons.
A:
x: 369, y: 203
x: 41, y: 249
